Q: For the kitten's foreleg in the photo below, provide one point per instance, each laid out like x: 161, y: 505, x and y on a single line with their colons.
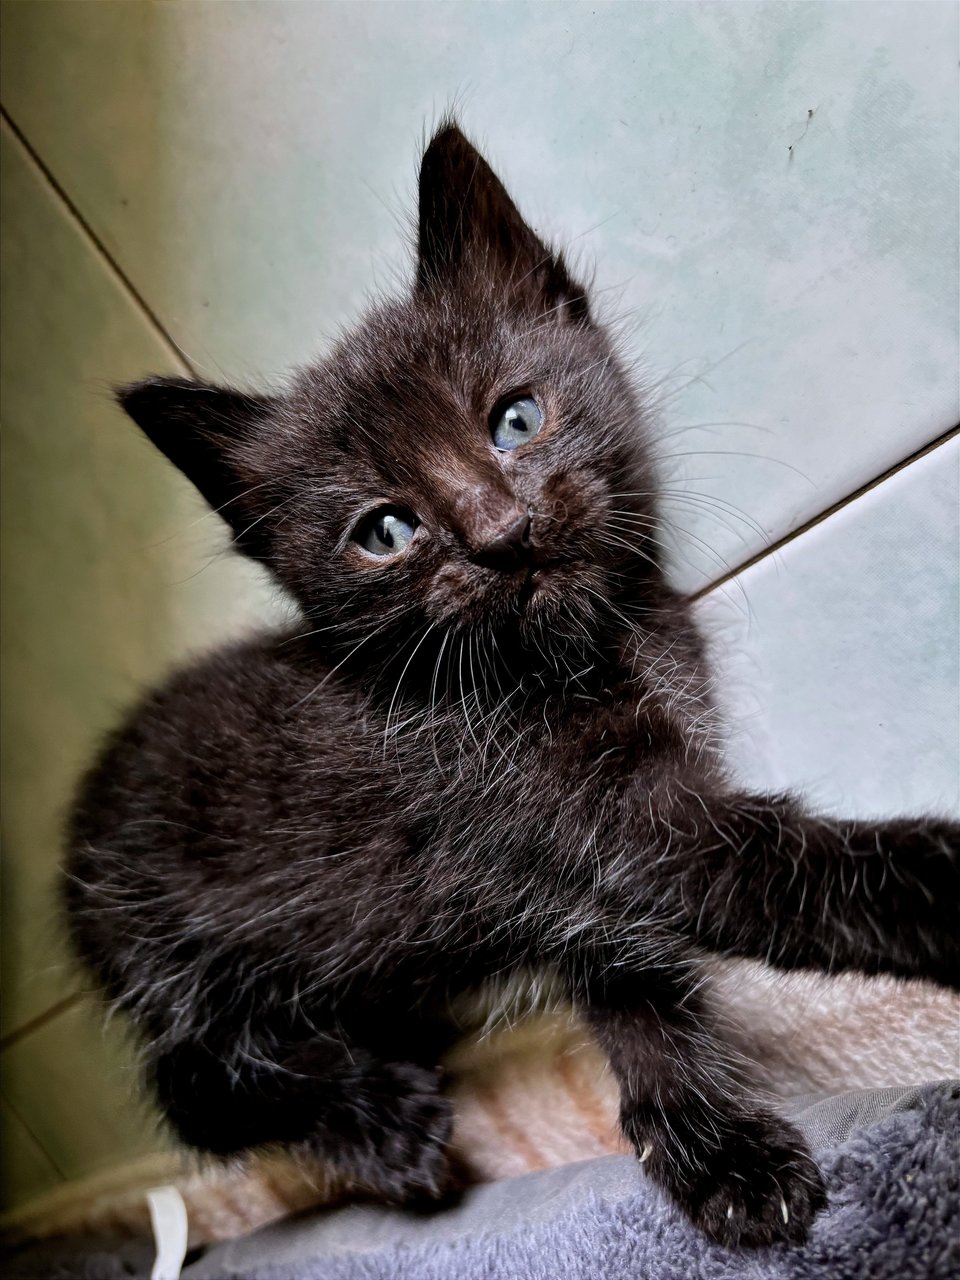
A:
x: 383, y: 1125
x: 741, y: 1173
x: 758, y: 876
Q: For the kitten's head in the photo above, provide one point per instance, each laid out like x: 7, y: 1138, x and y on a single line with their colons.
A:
x: 468, y: 459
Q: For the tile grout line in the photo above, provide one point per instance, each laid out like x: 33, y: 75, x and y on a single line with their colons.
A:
x: 40, y: 1020
x: 68, y: 1002
x: 168, y: 341
x: 821, y: 516
x: 54, y: 1164
x: 101, y: 249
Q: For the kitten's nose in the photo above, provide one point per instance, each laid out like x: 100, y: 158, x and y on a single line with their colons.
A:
x: 507, y: 544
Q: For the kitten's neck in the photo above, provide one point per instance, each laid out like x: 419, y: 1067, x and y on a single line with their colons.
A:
x: 514, y: 670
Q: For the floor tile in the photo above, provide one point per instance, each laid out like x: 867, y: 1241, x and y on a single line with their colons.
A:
x: 838, y: 657
x: 110, y: 568
x: 769, y: 191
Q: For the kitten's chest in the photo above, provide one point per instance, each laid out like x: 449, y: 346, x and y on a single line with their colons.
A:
x: 557, y: 772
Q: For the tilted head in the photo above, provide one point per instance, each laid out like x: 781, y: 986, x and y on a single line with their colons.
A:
x: 468, y: 458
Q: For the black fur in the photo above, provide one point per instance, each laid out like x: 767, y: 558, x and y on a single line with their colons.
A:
x: 298, y: 853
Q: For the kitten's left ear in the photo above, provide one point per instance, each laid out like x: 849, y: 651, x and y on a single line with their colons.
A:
x: 468, y: 224
x: 213, y: 435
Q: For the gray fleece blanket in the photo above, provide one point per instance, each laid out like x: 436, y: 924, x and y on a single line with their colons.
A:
x: 890, y: 1158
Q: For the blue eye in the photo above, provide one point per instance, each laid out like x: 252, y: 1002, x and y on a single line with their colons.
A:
x: 517, y: 423
x: 386, y: 531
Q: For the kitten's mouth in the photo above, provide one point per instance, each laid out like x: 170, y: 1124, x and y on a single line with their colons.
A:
x: 539, y: 575
x: 542, y: 568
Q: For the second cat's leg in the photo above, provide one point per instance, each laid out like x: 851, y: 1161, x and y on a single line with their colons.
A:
x: 383, y: 1124
x: 741, y: 1173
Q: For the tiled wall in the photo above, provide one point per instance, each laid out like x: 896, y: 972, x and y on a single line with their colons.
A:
x: 768, y: 193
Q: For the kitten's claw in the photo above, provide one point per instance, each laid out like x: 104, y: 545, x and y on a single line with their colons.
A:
x: 756, y: 1185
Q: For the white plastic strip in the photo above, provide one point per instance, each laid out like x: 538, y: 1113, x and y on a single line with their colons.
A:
x: 168, y: 1217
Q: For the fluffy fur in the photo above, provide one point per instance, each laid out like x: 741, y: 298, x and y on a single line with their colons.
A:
x: 489, y: 752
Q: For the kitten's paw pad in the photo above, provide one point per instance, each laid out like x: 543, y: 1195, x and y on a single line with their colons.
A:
x: 754, y: 1184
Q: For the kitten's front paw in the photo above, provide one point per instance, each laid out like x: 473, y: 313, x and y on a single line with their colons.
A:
x: 766, y: 1190
x: 747, y: 1182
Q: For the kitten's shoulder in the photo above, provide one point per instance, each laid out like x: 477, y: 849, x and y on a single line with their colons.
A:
x: 264, y: 688
x: 243, y: 714
x: 271, y: 660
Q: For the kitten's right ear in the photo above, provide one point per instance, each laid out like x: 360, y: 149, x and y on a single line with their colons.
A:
x: 467, y: 221
x: 207, y: 432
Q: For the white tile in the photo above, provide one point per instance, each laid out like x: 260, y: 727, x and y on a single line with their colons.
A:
x: 838, y: 658
x: 251, y: 166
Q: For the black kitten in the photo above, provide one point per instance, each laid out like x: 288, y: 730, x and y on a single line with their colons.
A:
x: 489, y: 748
